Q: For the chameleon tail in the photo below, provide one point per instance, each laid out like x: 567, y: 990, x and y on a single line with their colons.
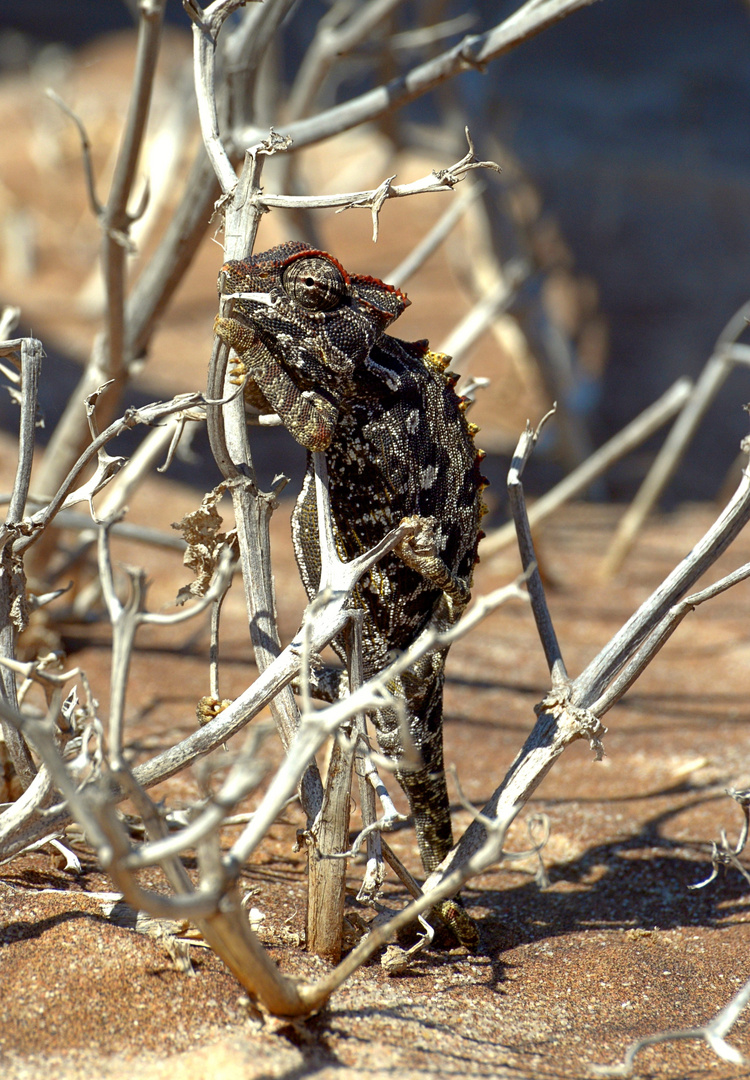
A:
x: 427, y: 792
x: 424, y: 783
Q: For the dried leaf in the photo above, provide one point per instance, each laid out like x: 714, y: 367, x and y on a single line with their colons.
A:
x: 205, y: 541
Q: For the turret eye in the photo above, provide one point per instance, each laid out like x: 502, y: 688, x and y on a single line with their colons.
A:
x: 314, y: 283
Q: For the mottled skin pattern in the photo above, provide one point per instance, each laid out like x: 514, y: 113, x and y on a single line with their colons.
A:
x: 311, y: 342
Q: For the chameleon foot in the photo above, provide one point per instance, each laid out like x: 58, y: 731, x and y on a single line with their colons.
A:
x: 460, y: 923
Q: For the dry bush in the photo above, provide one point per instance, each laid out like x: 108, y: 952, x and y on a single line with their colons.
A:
x: 67, y: 760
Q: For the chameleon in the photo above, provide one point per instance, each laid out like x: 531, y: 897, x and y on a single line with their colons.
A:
x: 311, y: 345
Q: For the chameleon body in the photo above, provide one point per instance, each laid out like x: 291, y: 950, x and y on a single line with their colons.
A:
x: 311, y: 343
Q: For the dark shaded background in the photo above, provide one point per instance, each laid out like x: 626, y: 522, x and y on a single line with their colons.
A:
x: 633, y: 118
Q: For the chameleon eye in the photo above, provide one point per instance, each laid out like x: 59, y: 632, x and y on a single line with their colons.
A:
x: 314, y: 283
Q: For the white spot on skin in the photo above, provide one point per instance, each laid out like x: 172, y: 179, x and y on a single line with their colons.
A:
x: 352, y: 457
x: 380, y: 583
x: 390, y: 379
x: 412, y: 421
x: 428, y: 476
x: 259, y: 298
x: 376, y: 516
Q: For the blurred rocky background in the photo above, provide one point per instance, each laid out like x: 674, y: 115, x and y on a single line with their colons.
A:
x: 631, y: 120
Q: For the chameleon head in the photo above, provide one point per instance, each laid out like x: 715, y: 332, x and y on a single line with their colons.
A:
x: 307, y: 310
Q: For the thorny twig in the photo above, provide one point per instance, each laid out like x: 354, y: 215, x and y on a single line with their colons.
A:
x: 230, y: 936
x: 149, y: 415
x: 439, y: 180
x: 312, y: 735
x: 127, y: 618
x: 724, y: 853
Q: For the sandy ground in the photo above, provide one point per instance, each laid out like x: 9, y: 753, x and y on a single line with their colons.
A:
x: 614, y: 947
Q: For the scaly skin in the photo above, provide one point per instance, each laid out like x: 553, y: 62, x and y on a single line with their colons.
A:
x: 311, y: 341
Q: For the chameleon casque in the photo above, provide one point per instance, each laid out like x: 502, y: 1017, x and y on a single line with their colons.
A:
x: 311, y: 341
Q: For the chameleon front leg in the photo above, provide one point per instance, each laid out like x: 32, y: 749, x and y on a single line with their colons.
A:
x: 309, y: 416
x: 419, y: 552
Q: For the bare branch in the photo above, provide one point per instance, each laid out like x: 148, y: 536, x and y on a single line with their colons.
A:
x: 589, y: 686
x: 149, y: 415
x: 332, y: 41
x: 206, y: 26
x: 724, y: 853
x: 542, y: 616
x: 371, y: 695
x: 440, y: 180
x: 474, y: 51
x: 435, y: 237
x: 660, y: 635
x: 726, y: 355
x: 636, y: 432
x: 108, y: 359
x: 9, y: 317
x: 115, y: 218
x: 481, y: 316
x: 13, y: 602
